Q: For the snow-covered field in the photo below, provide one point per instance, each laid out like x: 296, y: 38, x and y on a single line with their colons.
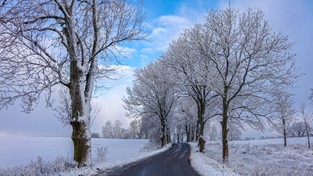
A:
x: 256, y: 157
x: 17, y: 151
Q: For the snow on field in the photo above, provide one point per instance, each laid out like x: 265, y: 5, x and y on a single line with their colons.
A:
x: 16, y: 151
x: 122, y: 151
x: 207, y: 166
x: 258, y: 157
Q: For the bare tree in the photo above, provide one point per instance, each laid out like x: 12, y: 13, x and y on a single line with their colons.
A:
x: 190, y: 72
x: 151, y: 94
x: 107, y: 130
x: 184, y: 119
x: 150, y: 127
x: 307, y: 120
x: 70, y: 43
x: 186, y: 112
x: 134, y: 129
x: 284, y: 112
x: 118, y: 130
x: 298, y: 129
x: 248, y: 61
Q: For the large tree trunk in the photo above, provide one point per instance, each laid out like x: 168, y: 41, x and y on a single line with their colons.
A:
x: 80, y: 123
x: 187, y: 129
x: 225, y: 130
x: 224, y: 140
x: 285, y: 138
x: 192, y: 137
x: 168, y: 136
x: 202, y: 128
x: 309, y: 145
x: 80, y: 115
x: 201, y: 134
x: 284, y: 132
x: 307, y: 134
x: 163, y: 136
x: 81, y: 137
x: 82, y: 143
x: 201, y: 122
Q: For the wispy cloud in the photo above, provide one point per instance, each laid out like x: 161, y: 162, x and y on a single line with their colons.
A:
x: 124, y: 51
x: 167, y: 27
x: 164, y: 29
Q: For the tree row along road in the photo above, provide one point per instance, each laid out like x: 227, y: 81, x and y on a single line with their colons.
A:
x: 173, y: 162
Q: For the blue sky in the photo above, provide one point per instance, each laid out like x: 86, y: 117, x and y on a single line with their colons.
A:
x: 165, y: 19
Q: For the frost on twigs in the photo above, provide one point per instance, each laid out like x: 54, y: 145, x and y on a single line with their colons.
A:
x: 41, y: 167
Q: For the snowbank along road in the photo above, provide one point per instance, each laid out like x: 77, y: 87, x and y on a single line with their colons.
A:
x: 173, y: 162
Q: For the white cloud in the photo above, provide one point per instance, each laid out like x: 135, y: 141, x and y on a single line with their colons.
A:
x: 124, y: 51
x: 164, y: 30
x: 111, y: 102
x: 173, y: 20
x: 158, y: 31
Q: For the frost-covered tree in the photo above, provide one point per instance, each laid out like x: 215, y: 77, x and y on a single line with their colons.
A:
x: 307, y: 118
x: 184, y: 120
x: 284, y: 113
x: 187, y: 111
x: 189, y: 71
x: 298, y: 129
x: 115, y: 131
x: 134, y: 129
x: 118, y: 130
x: 107, y: 130
x: 47, y: 44
x: 152, y: 94
x: 150, y: 128
x: 249, y: 60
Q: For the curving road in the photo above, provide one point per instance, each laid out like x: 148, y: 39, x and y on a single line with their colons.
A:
x: 173, y: 162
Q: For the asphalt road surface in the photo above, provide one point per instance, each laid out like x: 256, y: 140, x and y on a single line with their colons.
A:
x: 173, y: 162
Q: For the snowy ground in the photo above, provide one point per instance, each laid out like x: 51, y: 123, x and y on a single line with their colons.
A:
x: 17, y: 151
x: 208, y: 166
x: 257, y: 157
